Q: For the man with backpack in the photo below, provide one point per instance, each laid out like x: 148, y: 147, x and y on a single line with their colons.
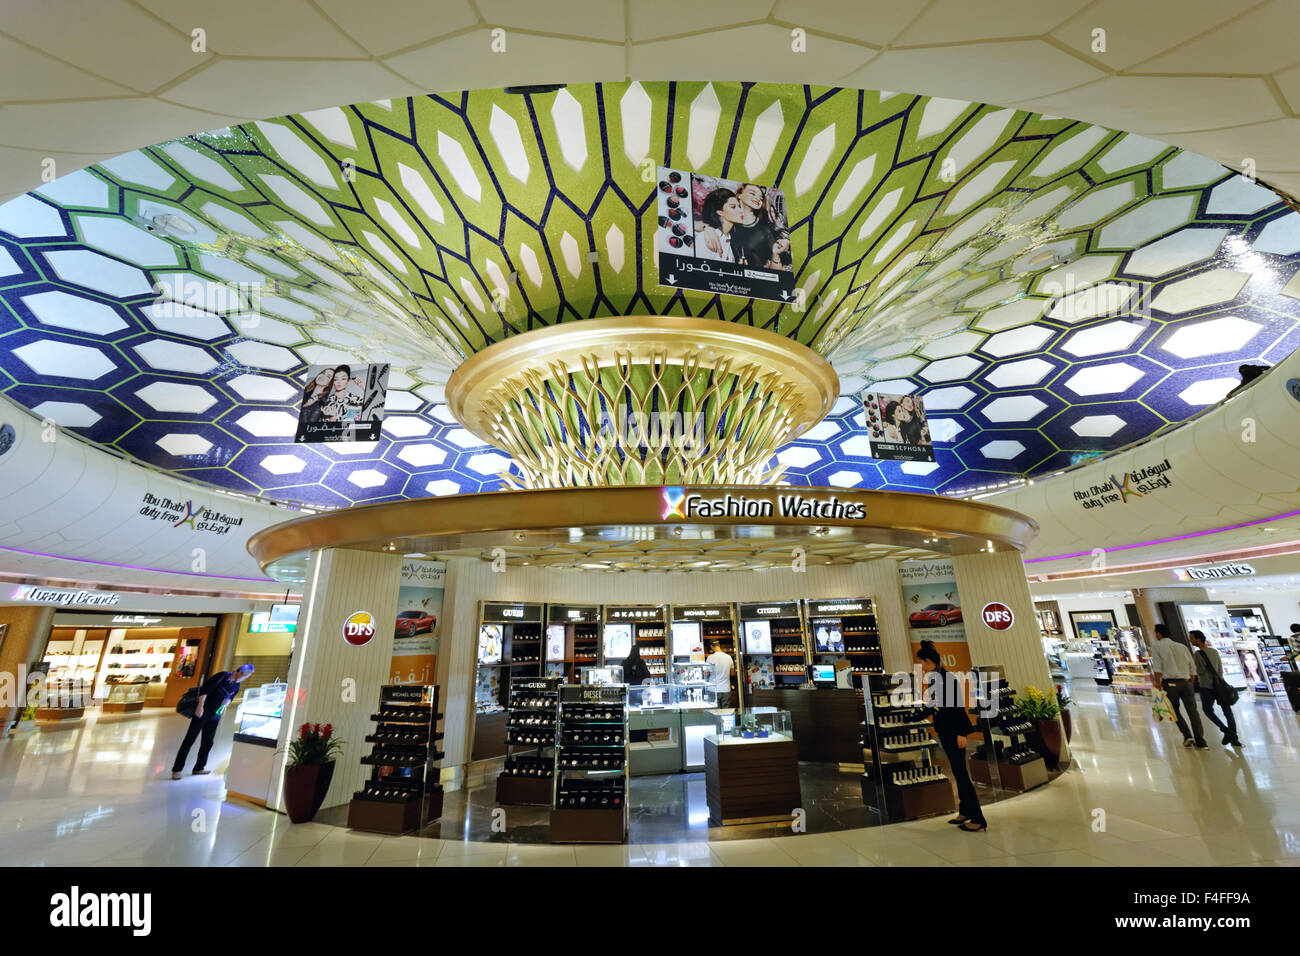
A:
x: 1213, y: 688
x: 209, y: 702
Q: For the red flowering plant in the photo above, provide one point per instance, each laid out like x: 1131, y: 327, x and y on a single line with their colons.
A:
x: 315, y: 743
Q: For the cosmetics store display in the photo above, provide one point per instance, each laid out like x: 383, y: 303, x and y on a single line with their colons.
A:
x: 403, y: 791
x: 1264, y: 660
x: 775, y: 646
x: 1005, y: 758
x: 1104, y: 659
x: 589, y: 801
x: 900, y: 780
x: 646, y: 627
x: 1215, y: 622
x: 1130, y: 672
x: 530, y: 742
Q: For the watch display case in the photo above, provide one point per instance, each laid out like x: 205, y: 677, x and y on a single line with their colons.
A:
x: 510, y: 644
x: 752, y: 723
x: 703, y: 625
x: 258, y: 716
x: 591, y: 765
x: 845, y: 629
x: 403, y: 791
x: 574, y: 630
x: 646, y: 626
x: 1006, y: 757
x: 900, y: 780
x: 774, y: 646
x: 530, y: 742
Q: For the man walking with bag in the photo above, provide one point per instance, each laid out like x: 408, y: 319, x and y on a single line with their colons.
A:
x: 211, y: 699
x: 1214, y: 689
x: 1173, y: 668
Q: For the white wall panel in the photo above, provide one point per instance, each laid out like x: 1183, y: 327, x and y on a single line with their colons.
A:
x: 341, y: 582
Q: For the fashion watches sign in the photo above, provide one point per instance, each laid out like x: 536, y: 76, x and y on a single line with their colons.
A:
x: 1132, y: 484
x: 679, y: 504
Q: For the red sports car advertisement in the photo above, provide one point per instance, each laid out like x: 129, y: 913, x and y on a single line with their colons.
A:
x: 415, y: 632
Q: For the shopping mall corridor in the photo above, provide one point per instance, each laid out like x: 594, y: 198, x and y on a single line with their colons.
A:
x: 101, y: 794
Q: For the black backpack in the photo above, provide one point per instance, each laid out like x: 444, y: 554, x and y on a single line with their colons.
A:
x: 188, y: 703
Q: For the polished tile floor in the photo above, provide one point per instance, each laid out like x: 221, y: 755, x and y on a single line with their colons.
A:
x: 100, y: 793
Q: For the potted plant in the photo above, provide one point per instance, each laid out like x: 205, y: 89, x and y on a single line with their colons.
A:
x: 1043, y: 710
x: 1064, y: 701
x: 310, y: 770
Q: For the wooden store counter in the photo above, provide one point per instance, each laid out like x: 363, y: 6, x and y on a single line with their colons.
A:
x: 827, y: 722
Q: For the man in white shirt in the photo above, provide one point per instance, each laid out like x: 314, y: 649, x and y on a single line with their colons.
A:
x: 1173, y: 668
x: 722, y: 665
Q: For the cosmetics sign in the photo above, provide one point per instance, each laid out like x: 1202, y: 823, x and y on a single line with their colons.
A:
x: 723, y: 236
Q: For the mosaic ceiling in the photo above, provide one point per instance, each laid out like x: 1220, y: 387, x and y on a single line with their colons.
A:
x: 1050, y: 287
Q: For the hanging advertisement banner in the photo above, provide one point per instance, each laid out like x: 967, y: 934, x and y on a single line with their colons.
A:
x: 723, y: 236
x: 415, y: 632
x: 342, y: 403
x: 933, y: 610
x: 897, y: 429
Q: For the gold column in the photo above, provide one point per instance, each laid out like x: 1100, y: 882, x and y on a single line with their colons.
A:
x: 223, y: 643
x: 23, y: 645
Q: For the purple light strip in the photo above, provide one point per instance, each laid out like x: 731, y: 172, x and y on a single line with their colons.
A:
x: 134, y: 567
x: 1180, y: 537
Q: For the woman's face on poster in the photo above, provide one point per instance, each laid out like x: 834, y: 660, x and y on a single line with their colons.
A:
x: 323, y: 377
x: 732, y: 211
x: 340, y: 380
x: 752, y: 196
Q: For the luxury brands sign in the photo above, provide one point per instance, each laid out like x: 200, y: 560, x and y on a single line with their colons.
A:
x: 679, y: 503
x: 1118, y: 489
x: 1214, y: 571
x: 64, y: 596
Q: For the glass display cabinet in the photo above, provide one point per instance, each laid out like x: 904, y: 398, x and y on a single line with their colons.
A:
x: 257, y: 718
x: 126, y: 697
x: 752, y: 723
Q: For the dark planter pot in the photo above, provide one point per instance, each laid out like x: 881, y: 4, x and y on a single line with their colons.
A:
x: 1048, y: 742
x: 1069, y: 724
x: 305, y: 787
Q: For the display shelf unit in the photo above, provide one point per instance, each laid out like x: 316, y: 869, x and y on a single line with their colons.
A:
x: 527, y: 776
x: 575, y: 628
x: 1104, y: 658
x: 128, y: 659
x: 1214, y: 621
x: 836, y: 626
x: 779, y: 627
x: 404, y: 791
x: 509, y: 645
x: 901, y: 780
x: 646, y: 626
x: 589, y: 802
x: 1005, y: 758
x: 75, y: 658
x: 1272, y: 651
x: 694, y: 628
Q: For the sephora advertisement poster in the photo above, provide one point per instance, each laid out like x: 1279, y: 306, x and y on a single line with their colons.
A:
x: 723, y: 236
x: 896, y: 427
x: 415, y: 632
x: 342, y: 403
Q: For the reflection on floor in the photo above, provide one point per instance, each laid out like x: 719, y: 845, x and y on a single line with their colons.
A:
x: 100, y: 793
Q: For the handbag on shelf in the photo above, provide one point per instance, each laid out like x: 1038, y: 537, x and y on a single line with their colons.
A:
x: 1161, y: 708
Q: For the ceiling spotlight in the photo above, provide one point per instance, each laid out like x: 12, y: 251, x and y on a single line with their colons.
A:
x: 519, y: 536
x: 677, y: 532
x: 819, y: 531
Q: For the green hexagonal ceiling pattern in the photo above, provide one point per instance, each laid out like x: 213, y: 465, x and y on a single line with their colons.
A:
x: 1049, y: 286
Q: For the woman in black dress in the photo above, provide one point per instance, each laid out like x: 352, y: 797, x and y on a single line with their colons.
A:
x: 951, y: 725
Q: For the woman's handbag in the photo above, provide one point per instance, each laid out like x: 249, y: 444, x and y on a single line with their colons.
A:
x: 188, y: 703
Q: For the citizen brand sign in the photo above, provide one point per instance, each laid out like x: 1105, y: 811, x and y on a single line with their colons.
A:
x: 1214, y: 571
x: 785, y: 506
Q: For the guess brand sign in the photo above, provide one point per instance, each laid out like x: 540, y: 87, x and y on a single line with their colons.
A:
x: 359, y: 628
x: 997, y: 616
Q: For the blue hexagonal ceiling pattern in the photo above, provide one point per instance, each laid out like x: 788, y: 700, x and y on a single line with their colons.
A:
x: 1050, y: 287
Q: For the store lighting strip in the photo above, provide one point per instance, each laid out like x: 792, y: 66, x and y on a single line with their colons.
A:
x: 134, y: 567
x: 310, y: 598
x: 1179, y: 537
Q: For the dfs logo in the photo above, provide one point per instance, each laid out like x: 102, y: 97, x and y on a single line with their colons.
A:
x: 359, y: 628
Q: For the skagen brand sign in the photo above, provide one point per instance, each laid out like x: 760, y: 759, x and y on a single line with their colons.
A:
x: 1214, y: 571
x: 634, y: 614
x: 680, y: 503
x: 65, y: 597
